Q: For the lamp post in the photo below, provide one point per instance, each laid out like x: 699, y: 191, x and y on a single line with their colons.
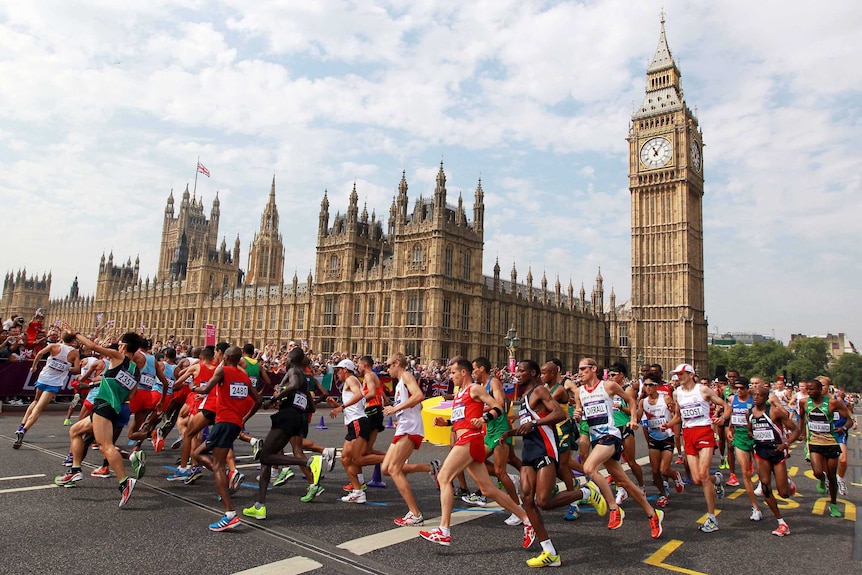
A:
x: 512, y: 342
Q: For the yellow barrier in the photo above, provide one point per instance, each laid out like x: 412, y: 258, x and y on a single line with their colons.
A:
x: 436, y: 407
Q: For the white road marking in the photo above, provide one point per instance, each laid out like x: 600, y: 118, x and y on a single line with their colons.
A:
x: 22, y: 477
x: 292, y: 566
x: 34, y: 488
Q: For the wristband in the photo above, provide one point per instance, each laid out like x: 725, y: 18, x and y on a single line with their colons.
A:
x: 448, y: 423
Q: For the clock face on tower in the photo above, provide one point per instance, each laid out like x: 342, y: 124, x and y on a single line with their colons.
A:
x: 655, y: 152
x: 695, y: 155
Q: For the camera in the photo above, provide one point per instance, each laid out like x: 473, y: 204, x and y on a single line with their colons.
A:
x: 20, y: 321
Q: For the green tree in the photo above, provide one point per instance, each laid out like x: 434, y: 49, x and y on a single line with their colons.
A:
x: 810, y: 358
x: 717, y: 355
x: 847, y: 372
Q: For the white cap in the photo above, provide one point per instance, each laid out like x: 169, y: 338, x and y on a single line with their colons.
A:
x: 347, y: 364
x: 683, y: 367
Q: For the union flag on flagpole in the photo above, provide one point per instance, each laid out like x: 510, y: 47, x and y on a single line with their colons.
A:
x: 202, y: 169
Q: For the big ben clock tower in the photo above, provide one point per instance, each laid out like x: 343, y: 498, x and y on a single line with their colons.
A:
x: 666, y: 183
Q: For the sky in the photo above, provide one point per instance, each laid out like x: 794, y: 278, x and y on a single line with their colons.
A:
x: 105, y: 108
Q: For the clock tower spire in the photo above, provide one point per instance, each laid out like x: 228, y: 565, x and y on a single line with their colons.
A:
x: 666, y: 184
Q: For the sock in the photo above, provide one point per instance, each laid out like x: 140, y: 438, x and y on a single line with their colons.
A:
x: 548, y: 546
x: 76, y: 469
x: 781, y: 522
x: 840, y: 478
x: 183, y: 469
x: 104, y: 462
x: 230, y: 514
x: 710, y: 516
x: 444, y: 530
x: 585, y: 493
x: 361, y: 478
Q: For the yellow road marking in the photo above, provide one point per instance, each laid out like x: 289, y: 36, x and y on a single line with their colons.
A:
x: 849, y: 508
x: 792, y: 471
x: 703, y: 518
x: 657, y: 559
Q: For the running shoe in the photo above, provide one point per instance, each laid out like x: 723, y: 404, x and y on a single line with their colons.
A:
x: 597, y: 499
x: 19, y: 439
x: 615, y: 521
x: 67, y: 422
x: 354, y: 497
x: 316, y: 467
x: 69, y: 479
x: 622, y: 495
x: 709, y: 526
x: 180, y: 475
x: 158, y: 440
x: 529, y: 536
x: 724, y: 464
x: 719, y: 487
x: 235, y: 479
x: 435, y: 469
x: 513, y: 520
x: 792, y: 487
x: 842, y: 487
x: 283, y: 475
x: 225, y: 523
x: 662, y: 501
x: 68, y: 461
x: 255, y: 447
x: 834, y: 511
x: 475, y: 499
x: 138, y: 460
x: 195, y: 474
x: 733, y: 481
x: 103, y: 472
x: 680, y: 484
x: 781, y: 530
x: 258, y: 513
x: 655, y: 524
x: 126, y: 488
x: 758, y: 491
x: 461, y: 492
x: 544, y: 559
x: 312, y: 492
x: 436, y: 536
x: 572, y: 513
x: 348, y: 487
x: 679, y: 459
x: 756, y: 514
x: 821, y: 485
x: 177, y: 442
x: 329, y: 458
x: 410, y: 520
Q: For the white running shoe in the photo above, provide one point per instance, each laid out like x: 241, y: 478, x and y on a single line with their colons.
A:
x: 756, y: 515
x: 513, y: 520
x: 622, y: 495
x: 758, y: 491
x: 354, y: 497
x: 842, y: 487
x: 329, y: 457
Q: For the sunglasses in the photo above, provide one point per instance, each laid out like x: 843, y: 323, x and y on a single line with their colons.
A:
x: 649, y: 383
x: 613, y: 373
x: 583, y: 367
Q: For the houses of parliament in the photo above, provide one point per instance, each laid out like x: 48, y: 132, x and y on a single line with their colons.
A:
x: 412, y: 281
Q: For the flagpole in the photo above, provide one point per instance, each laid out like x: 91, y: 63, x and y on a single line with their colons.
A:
x: 197, y: 169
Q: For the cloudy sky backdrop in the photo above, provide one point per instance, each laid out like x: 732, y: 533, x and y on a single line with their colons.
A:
x: 104, y: 108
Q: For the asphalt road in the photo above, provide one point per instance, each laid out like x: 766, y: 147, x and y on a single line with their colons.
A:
x: 163, y: 529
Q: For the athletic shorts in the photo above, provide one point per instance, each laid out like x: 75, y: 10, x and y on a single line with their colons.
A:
x: 567, y: 434
x: 474, y: 440
x: 770, y: 454
x: 181, y: 394
x: 612, y: 440
x: 660, y: 444
x: 45, y: 387
x: 145, y: 400
x: 375, y: 418
x: 209, y: 415
x: 358, y: 428
x: 124, y: 416
x: 841, y: 437
x: 827, y: 451
x: 697, y: 438
x: 89, y: 405
x: 625, y: 431
x: 291, y: 422
x: 223, y: 434
x: 103, y: 409
x: 742, y: 441
x: 494, y: 429
x: 541, y: 462
x: 416, y: 439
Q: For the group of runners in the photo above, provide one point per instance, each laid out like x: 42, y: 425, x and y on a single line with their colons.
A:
x: 571, y: 429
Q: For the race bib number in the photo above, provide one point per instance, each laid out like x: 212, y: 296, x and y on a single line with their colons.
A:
x: 300, y: 401
x: 819, y: 426
x: 126, y: 379
x: 836, y: 416
x: 238, y: 390
x: 458, y: 413
x: 253, y: 381
x: 596, y: 409
x: 690, y: 411
x: 656, y: 422
x: 57, y: 364
x: 524, y: 416
x: 738, y: 420
x: 147, y: 380
x: 170, y: 386
x: 763, y: 435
